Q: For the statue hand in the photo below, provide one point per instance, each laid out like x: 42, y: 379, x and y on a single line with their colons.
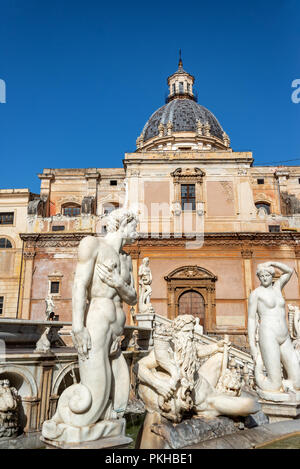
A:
x: 110, y: 276
x: 165, y: 390
x: 82, y: 342
x: 220, y: 345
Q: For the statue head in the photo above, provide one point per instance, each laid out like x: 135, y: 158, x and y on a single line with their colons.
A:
x: 146, y: 261
x: 125, y: 222
x: 184, y: 323
x: 265, y: 273
x: 183, y: 339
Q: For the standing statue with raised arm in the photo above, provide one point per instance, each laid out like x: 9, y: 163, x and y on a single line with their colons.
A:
x: 49, y: 307
x: 94, y: 407
x: 145, y: 290
x: 269, y: 338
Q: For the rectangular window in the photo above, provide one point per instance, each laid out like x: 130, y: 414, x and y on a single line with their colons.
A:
x: 54, y: 287
x: 188, y: 198
x: 274, y: 228
x: 114, y: 183
x: 299, y: 180
x: 1, y: 304
x: 71, y: 211
x: 6, y: 218
x: 260, y: 181
x: 58, y: 228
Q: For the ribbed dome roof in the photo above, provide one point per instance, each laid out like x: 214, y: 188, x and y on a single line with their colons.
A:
x: 183, y: 114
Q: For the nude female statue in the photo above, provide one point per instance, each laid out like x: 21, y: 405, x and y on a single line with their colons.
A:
x: 274, y: 344
x: 103, y: 280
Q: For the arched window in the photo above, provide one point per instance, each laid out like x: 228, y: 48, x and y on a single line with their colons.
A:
x: 71, y: 210
x: 5, y: 243
x: 192, y: 302
x: 109, y: 207
x: 265, y: 206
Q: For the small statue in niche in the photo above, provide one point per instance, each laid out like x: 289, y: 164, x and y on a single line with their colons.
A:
x: 133, y: 342
x: 8, y: 410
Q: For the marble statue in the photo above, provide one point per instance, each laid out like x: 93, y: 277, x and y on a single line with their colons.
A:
x: 49, y: 307
x: 8, y: 410
x: 43, y: 345
x: 94, y: 408
x: 133, y: 342
x: 230, y: 380
x: 145, y: 290
x: 269, y: 340
x: 294, y: 327
x: 173, y: 380
x: 294, y: 321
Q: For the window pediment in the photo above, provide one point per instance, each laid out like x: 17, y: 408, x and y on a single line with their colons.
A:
x: 192, y: 271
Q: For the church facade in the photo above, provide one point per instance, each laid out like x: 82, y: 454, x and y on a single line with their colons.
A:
x: 207, y: 218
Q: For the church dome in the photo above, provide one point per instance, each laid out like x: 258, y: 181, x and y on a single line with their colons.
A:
x: 184, y: 115
x: 182, y: 123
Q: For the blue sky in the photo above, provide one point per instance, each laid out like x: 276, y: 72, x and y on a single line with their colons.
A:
x: 83, y: 77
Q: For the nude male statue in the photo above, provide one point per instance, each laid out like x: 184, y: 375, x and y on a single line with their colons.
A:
x: 103, y: 280
x: 274, y: 347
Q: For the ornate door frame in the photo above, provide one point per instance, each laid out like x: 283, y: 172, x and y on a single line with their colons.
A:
x: 195, y: 278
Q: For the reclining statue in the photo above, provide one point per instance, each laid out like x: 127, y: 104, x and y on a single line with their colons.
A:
x: 94, y: 407
x: 173, y: 382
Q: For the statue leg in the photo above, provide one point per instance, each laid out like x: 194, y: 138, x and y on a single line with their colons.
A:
x: 270, y: 353
x: 290, y: 363
x: 120, y: 384
x: 95, y: 371
x: 211, y: 369
x: 233, y: 406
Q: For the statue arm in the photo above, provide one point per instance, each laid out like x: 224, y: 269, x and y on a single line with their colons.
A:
x: 83, y: 275
x: 206, y: 350
x: 127, y: 291
x: 114, y: 280
x: 287, y: 273
x: 147, y: 376
x: 252, y: 310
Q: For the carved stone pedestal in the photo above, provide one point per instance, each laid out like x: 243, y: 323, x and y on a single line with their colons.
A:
x: 104, y: 443
x: 159, y: 433
x: 115, y: 429
x: 146, y: 320
x: 279, y: 396
x: 278, y: 411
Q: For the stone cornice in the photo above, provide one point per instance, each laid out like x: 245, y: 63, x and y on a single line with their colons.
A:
x: 53, y: 239
x: 243, y: 241
x: 240, y: 240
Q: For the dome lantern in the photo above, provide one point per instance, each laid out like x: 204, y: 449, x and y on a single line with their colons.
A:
x: 180, y: 84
